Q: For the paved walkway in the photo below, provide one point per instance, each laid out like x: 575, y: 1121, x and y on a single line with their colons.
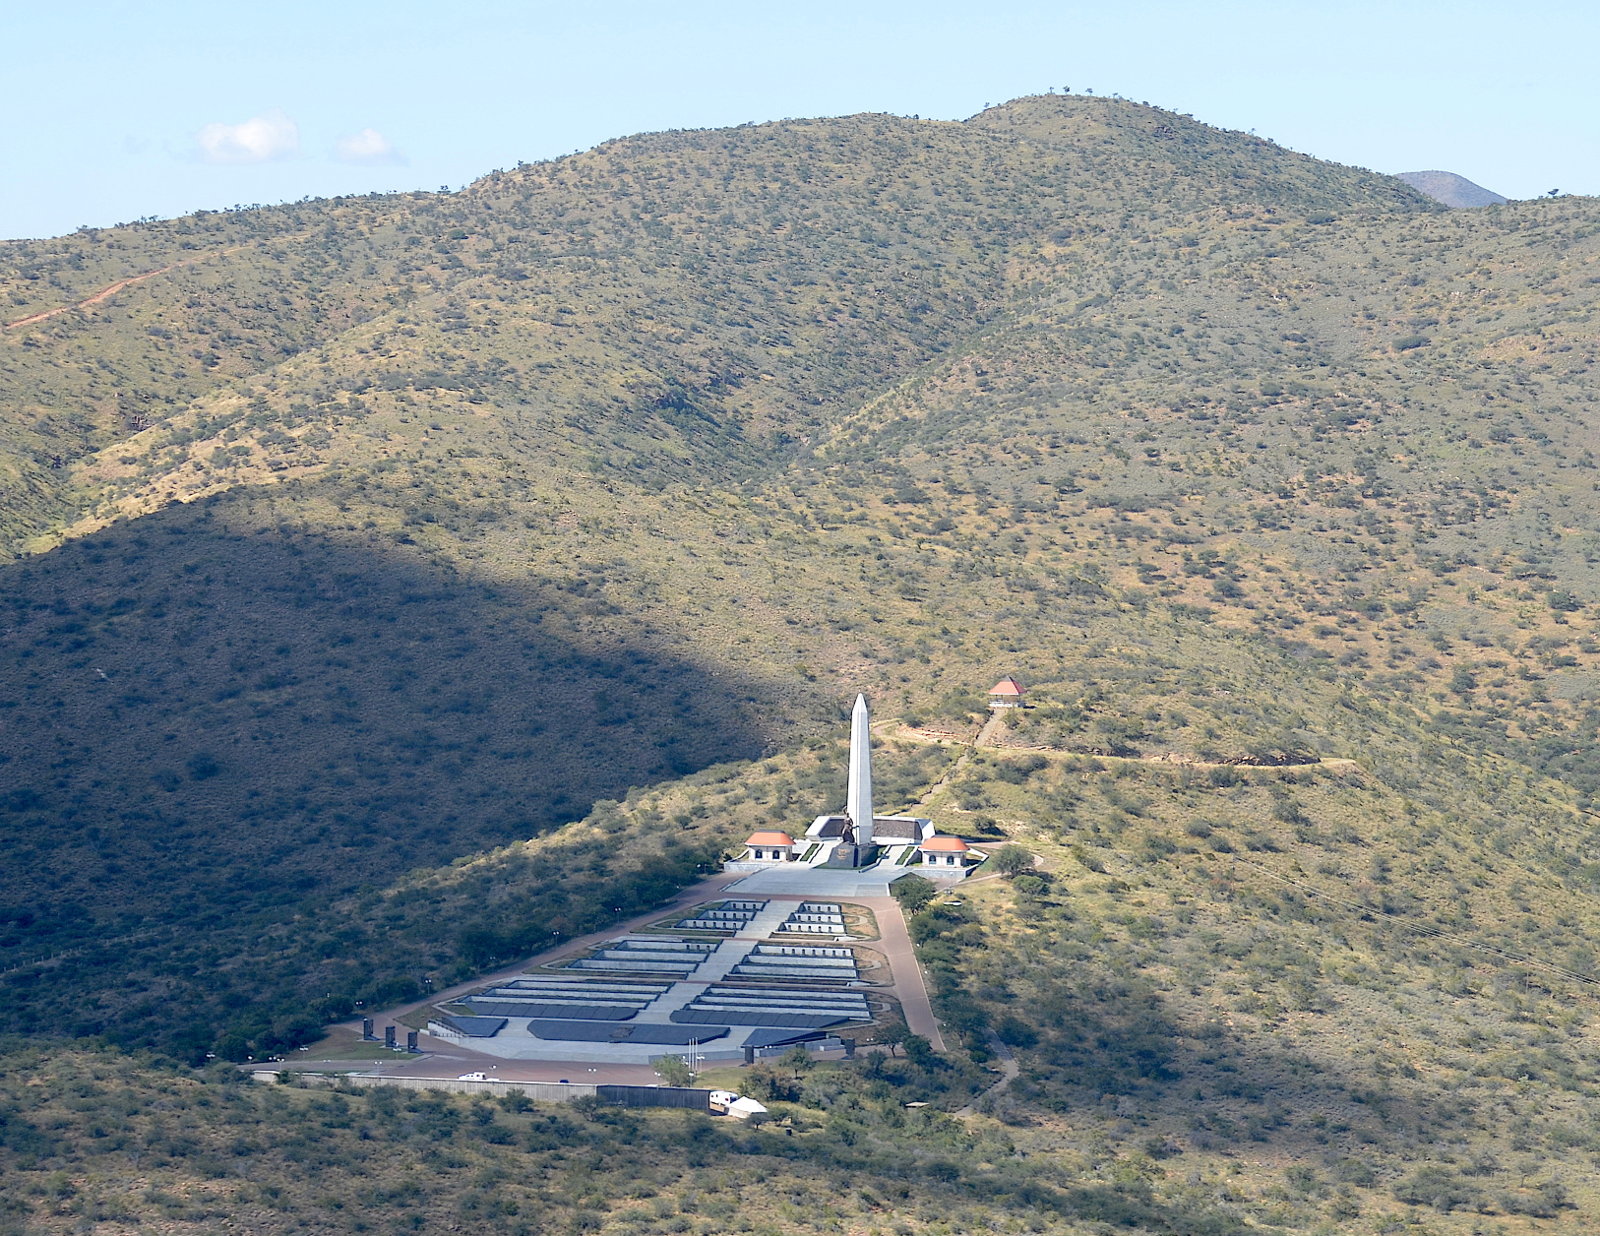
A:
x: 766, y: 921
x: 909, y: 988
x: 715, y: 968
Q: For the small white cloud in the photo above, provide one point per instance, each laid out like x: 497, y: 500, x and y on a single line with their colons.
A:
x: 271, y: 135
x: 367, y: 146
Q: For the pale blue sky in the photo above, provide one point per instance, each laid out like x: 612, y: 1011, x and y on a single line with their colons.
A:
x: 120, y: 110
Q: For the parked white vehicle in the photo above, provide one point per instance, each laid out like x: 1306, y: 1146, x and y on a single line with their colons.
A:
x: 727, y: 1103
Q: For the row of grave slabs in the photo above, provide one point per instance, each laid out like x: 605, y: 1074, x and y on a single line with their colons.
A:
x: 729, y: 979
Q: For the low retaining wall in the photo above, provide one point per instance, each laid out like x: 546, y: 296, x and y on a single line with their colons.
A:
x: 544, y: 1092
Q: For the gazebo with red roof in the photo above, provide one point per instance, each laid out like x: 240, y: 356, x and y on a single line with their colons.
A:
x: 1007, y: 693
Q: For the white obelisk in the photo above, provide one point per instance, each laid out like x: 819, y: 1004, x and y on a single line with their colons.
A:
x: 858, y: 799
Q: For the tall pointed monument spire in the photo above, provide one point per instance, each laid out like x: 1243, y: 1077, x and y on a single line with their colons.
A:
x: 858, y: 799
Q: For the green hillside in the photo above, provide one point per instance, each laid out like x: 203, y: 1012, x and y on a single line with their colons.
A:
x: 403, y: 550
x: 92, y: 1147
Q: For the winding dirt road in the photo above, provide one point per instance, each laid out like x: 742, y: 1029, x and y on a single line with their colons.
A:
x: 986, y: 740
x: 106, y: 293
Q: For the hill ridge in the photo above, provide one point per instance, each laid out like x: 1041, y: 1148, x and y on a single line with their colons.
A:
x: 1452, y: 190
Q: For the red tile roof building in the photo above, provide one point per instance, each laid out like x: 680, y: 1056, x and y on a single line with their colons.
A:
x: 942, y: 851
x: 776, y: 846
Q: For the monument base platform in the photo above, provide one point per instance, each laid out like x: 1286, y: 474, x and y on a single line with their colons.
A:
x: 849, y: 856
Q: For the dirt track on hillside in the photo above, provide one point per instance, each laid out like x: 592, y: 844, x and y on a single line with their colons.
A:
x: 985, y: 740
x: 106, y: 293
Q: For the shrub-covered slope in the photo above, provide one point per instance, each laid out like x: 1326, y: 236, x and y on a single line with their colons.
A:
x: 746, y: 280
x: 396, y: 528
x: 440, y: 517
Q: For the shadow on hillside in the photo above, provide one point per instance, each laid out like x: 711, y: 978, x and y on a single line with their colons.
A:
x: 211, y: 728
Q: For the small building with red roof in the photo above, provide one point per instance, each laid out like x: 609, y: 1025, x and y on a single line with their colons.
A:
x: 774, y: 847
x: 944, y: 853
x: 1007, y: 693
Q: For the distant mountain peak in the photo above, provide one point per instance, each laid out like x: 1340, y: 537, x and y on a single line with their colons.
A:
x: 1454, y: 191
